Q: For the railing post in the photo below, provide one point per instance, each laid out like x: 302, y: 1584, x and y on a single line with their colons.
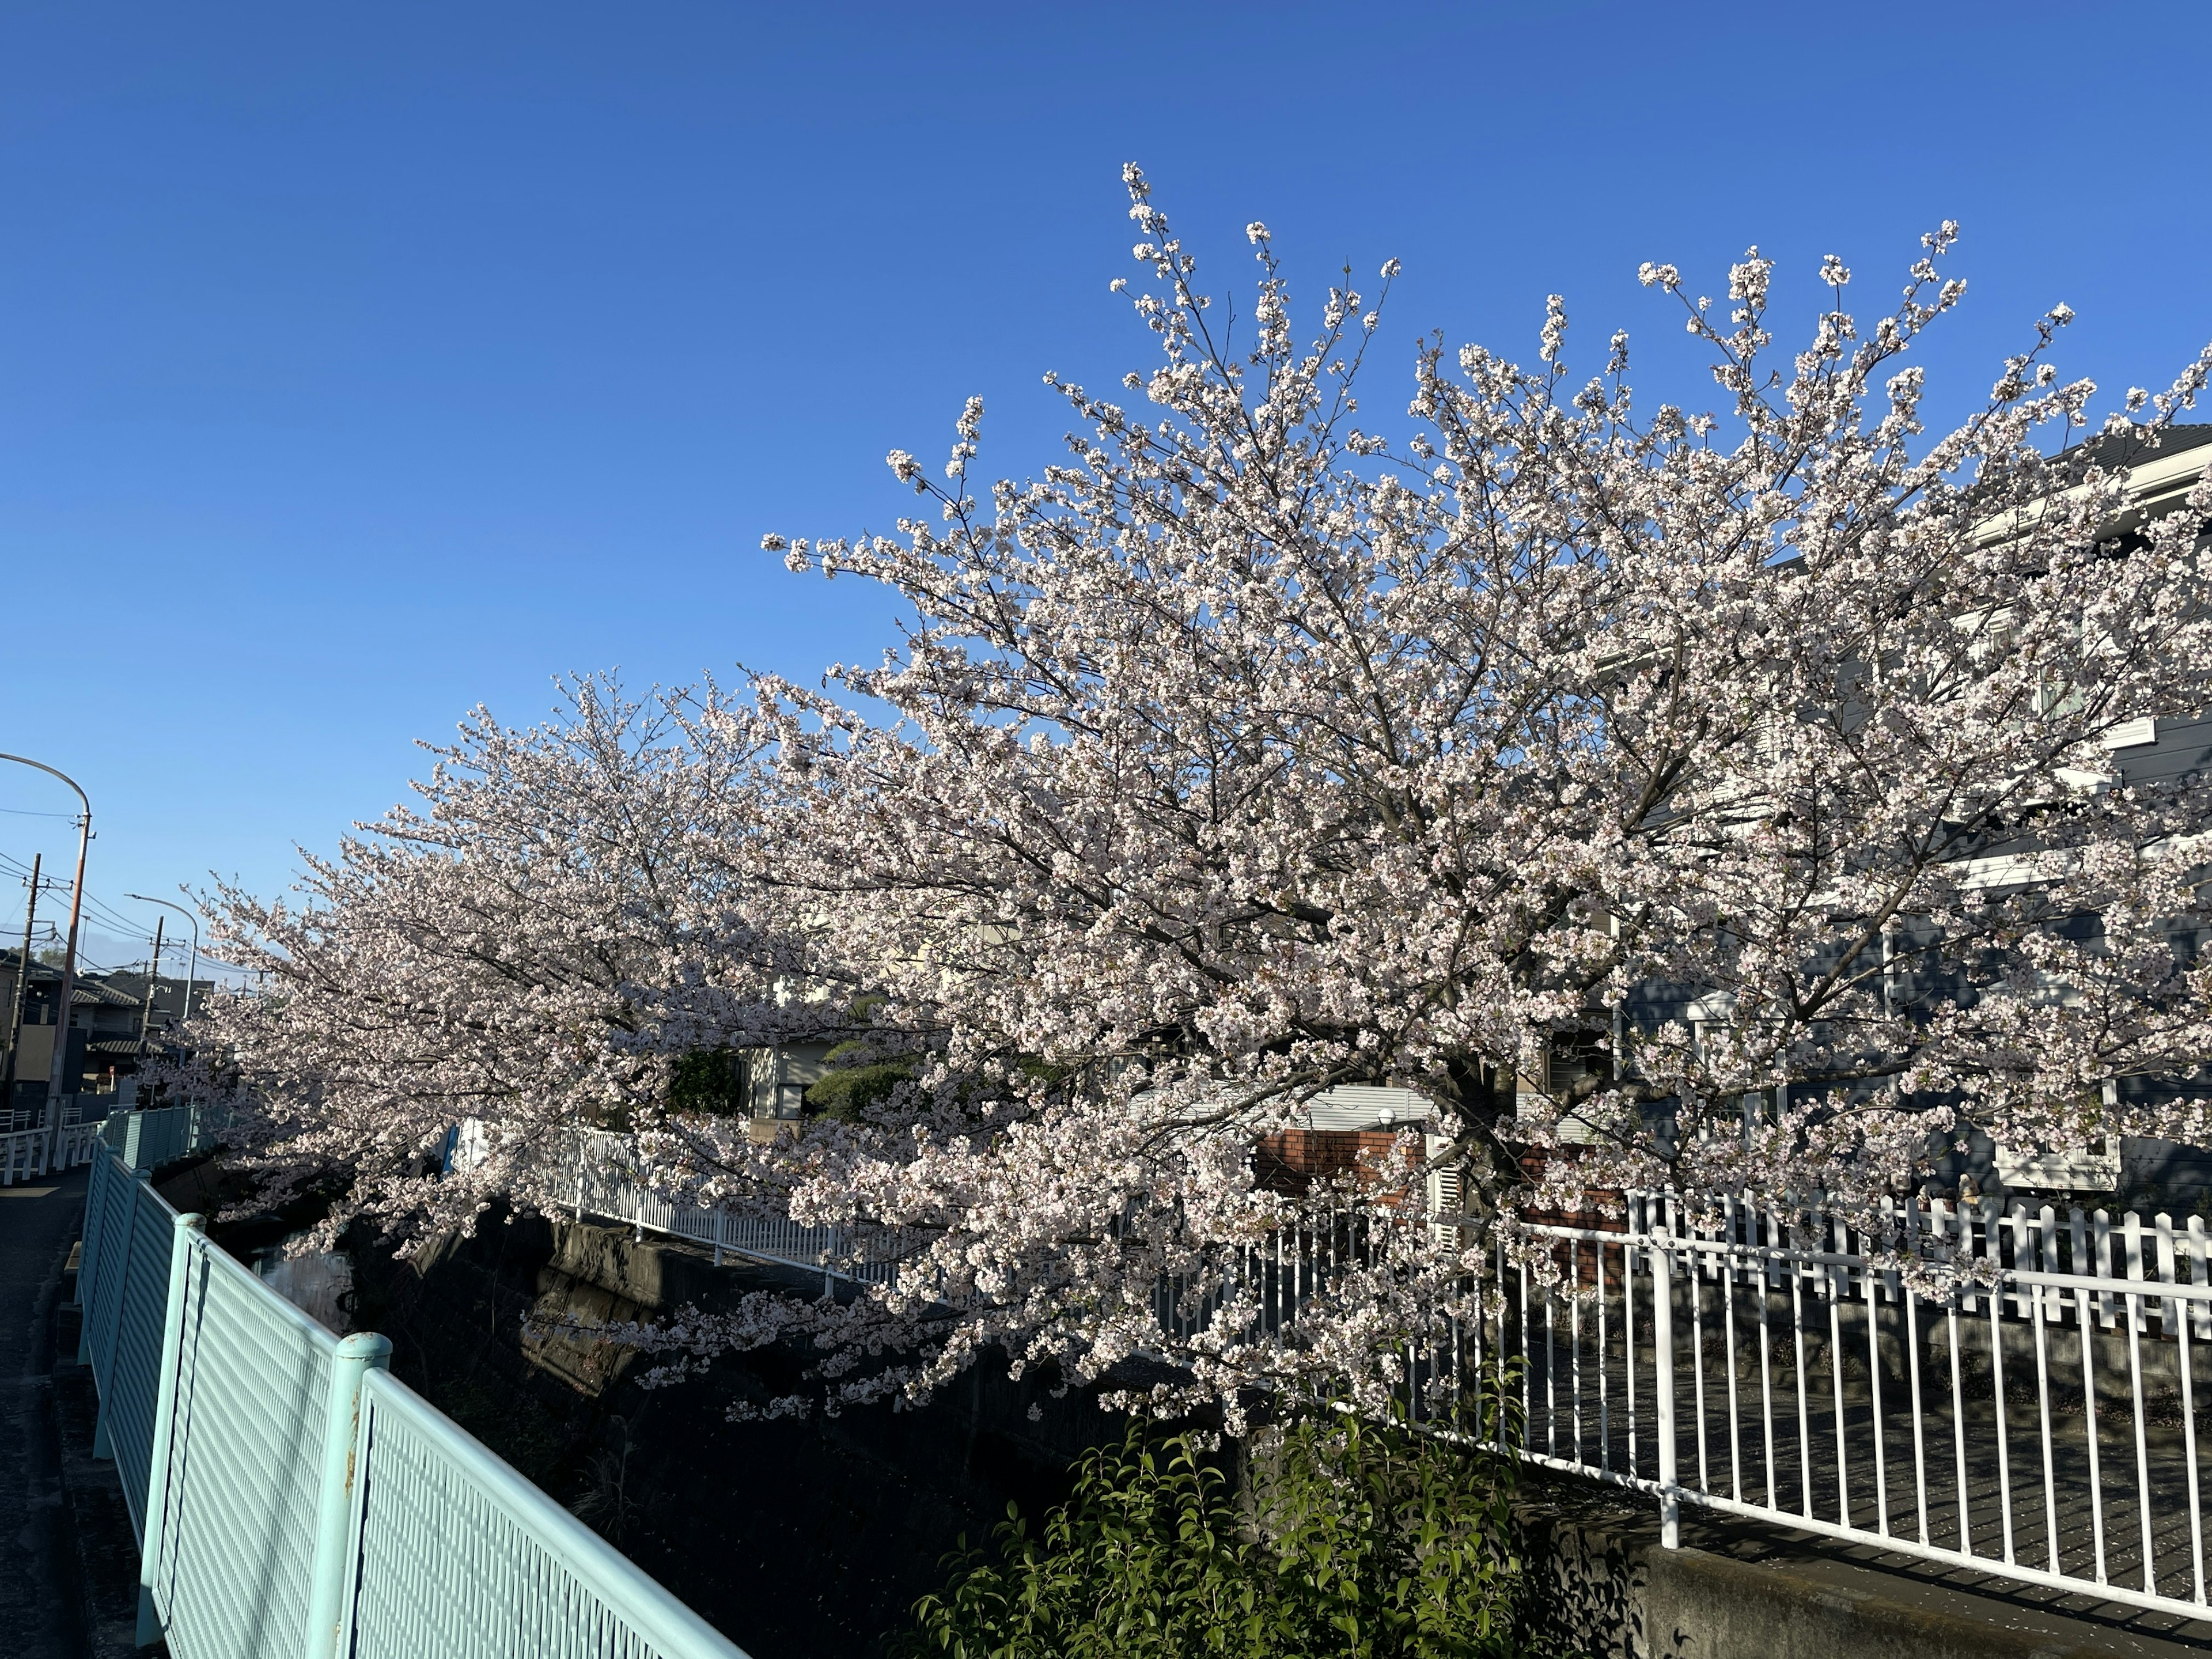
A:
x: 1662, y: 1343
x: 357, y: 1355
x: 165, y: 1414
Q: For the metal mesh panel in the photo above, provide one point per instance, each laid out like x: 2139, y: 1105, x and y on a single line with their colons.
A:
x: 132, y: 1393
x: 460, y: 1556
x: 246, y: 1453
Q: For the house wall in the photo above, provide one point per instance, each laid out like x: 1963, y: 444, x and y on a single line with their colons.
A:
x: 776, y: 1079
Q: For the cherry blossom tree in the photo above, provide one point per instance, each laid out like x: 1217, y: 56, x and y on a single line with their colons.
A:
x: 1262, y: 747
x: 525, y: 952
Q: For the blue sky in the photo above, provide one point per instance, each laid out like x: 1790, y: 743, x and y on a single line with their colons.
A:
x: 358, y: 367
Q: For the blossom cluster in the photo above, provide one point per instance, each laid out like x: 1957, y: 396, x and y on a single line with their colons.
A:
x: 1250, y: 753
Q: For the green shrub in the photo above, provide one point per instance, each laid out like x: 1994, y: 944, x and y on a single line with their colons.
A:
x: 711, y: 1080
x: 846, y: 1093
x: 1370, y: 1542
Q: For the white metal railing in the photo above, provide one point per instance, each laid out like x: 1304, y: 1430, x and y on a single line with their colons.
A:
x: 74, y: 1144
x: 28, y: 1148
x: 22, y: 1155
x: 604, y: 1188
x: 2040, y: 1426
x: 2042, y: 1430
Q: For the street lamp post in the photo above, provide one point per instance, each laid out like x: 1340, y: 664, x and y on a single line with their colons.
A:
x: 69, y: 954
x: 193, y: 972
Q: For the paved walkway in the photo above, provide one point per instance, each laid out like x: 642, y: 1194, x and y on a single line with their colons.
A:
x: 41, y: 1604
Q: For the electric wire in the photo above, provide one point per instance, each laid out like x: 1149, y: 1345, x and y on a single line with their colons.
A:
x: 99, y: 910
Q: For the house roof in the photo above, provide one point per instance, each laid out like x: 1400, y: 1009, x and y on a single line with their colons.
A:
x: 2155, y: 477
x: 2131, y: 449
x: 89, y: 987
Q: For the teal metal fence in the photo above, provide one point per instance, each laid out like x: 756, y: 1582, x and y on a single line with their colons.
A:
x: 292, y: 1499
x: 146, y: 1140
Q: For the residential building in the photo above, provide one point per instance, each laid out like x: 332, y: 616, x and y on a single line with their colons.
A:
x: 110, y: 1033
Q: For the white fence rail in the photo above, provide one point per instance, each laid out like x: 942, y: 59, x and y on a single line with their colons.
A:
x: 604, y: 1188
x: 29, y: 1148
x: 2044, y: 1429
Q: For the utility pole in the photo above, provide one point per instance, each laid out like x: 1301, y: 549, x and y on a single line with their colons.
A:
x: 54, y: 1090
x: 152, y: 977
x: 22, y: 985
x: 193, y: 972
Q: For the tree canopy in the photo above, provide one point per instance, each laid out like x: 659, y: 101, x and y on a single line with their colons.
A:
x: 1263, y: 746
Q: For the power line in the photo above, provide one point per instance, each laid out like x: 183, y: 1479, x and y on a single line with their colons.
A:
x: 108, y: 913
x: 96, y: 911
x: 96, y: 907
x: 52, y: 936
x: 92, y: 901
x: 103, y: 912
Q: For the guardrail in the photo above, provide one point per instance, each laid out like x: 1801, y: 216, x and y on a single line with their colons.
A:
x: 29, y: 1149
x: 604, y: 1188
x: 22, y: 1155
x: 292, y: 1499
x: 2039, y: 1425
x: 2042, y: 1424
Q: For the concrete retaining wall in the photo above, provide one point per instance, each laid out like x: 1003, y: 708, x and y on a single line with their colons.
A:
x: 1603, y: 1586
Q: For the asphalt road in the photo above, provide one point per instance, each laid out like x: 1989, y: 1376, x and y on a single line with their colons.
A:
x: 41, y: 1606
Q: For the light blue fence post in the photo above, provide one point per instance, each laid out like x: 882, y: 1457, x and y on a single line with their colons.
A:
x: 189, y: 1227
x: 357, y: 1355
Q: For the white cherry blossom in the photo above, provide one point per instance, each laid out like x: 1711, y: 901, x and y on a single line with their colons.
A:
x: 1246, y: 753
